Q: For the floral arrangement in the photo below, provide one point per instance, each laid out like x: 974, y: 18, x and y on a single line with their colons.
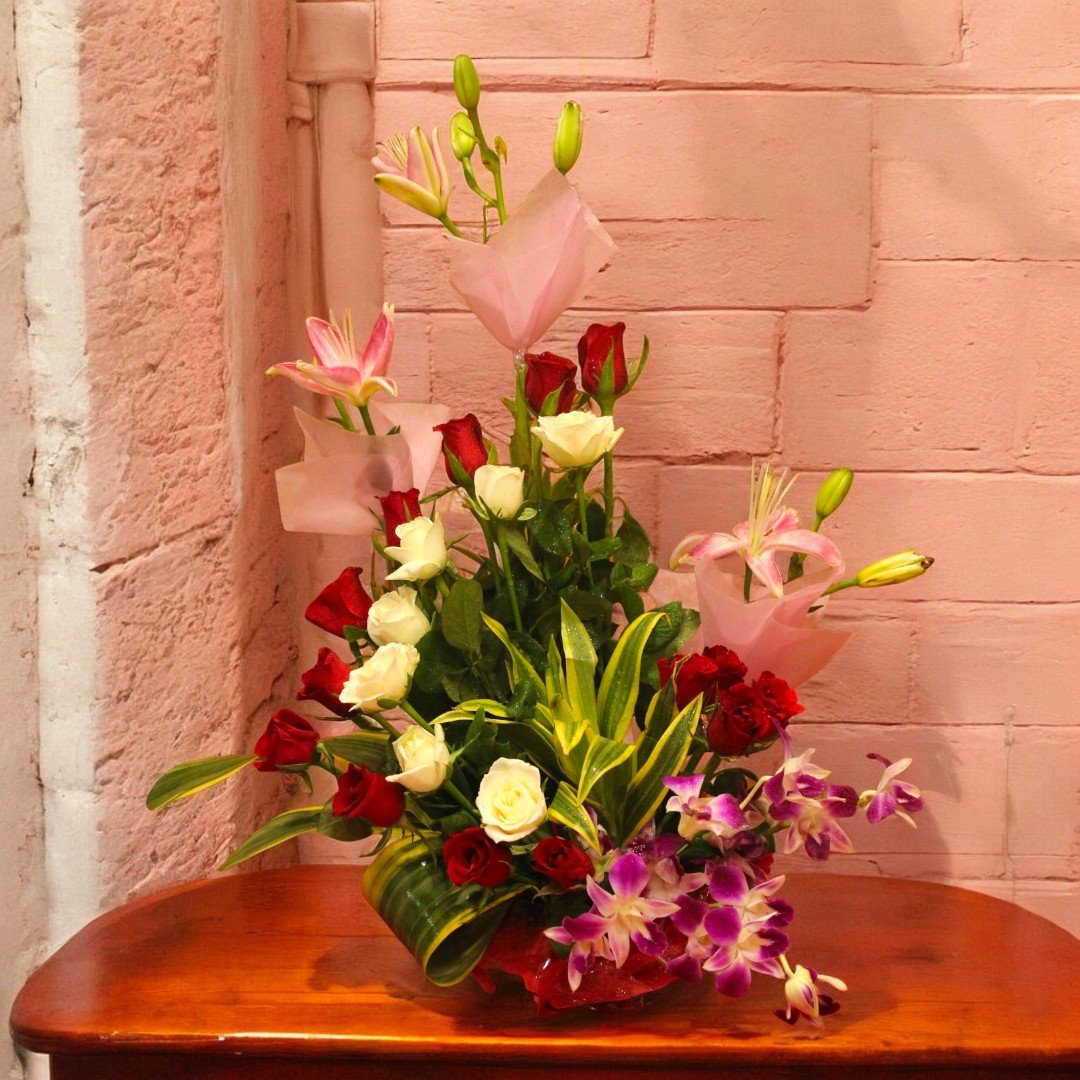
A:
x: 547, y: 733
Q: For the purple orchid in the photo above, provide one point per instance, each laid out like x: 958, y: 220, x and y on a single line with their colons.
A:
x: 586, y: 936
x: 798, y: 795
x: 720, y: 815
x: 803, y: 998
x: 891, y: 796
x: 667, y: 880
x: 737, y: 935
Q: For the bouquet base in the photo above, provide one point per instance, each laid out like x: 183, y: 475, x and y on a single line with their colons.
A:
x: 520, y: 949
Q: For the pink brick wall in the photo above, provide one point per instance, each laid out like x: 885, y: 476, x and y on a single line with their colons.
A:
x: 851, y: 231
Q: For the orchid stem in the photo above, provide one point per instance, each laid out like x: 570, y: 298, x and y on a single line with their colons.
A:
x: 406, y: 707
x: 504, y: 551
x: 369, y: 427
x: 450, y: 226
x: 343, y: 412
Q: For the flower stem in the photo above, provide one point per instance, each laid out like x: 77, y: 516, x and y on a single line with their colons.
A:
x: 747, y: 580
x: 385, y: 725
x: 491, y: 161
x: 841, y: 585
x: 504, y: 551
x: 609, y: 493
x: 449, y: 225
x: 583, y: 516
x: 369, y: 427
x: 343, y: 412
x: 458, y: 797
x: 406, y: 707
x: 444, y: 589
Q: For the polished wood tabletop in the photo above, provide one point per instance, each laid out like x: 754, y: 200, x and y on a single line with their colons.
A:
x: 288, y: 973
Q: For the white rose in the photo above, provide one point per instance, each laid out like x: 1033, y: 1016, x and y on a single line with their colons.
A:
x: 501, y: 488
x: 423, y: 758
x: 383, y: 678
x: 396, y: 616
x: 576, y: 439
x: 421, y: 550
x: 511, y: 800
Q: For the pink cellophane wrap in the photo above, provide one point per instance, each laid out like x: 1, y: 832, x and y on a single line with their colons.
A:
x: 342, y: 473
x: 780, y: 635
x: 534, y: 267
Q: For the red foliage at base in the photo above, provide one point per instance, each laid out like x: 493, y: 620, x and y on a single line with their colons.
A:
x: 520, y: 949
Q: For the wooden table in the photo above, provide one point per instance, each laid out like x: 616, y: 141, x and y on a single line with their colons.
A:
x: 287, y: 973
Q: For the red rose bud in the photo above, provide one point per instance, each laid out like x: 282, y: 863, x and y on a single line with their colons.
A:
x: 324, y: 682
x: 544, y: 374
x: 288, y: 740
x: 369, y: 795
x: 708, y: 673
x: 471, y: 856
x: 465, y: 440
x: 596, y: 344
x: 397, y: 508
x: 562, y: 860
x: 342, y: 603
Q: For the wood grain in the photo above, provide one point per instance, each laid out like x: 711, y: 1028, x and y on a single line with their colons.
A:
x: 292, y: 966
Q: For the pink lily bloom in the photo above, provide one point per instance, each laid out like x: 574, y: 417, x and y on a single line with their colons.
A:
x: 534, y: 267
x: 412, y: 170
x: 340, y: 369
x: 770, y: 529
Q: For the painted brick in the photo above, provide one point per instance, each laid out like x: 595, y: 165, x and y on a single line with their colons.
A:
x: 411, y: 363
x: 1035, y: 43
x: 978, y: 177
x: 997, y: 663
x: 1044, y: 792
x: 513, y: 28
x: 963, y: 520
x: 882, y: 389
x: 782, y: 39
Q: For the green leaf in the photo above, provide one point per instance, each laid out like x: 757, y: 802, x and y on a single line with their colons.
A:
x: 360, y: 748
x: 668, y: 637
x: 587, y: 605
x: 520, y: 547
x: 661, y: 712
x: 276, y: 831
x: 619, y: 687
x: 519, y: 664
x: 646, y: 790
x: 551, y: 529
x: 342, y: 828
x: 580, y: 666
x: 193, y: 776
x: 437, y: 660
x: 461, y: 618
x: 446, y: 927
x: 522, y: 703
x: 636, y: 547
x: 632, y: 604
x: 603, y: 756
x: 566, y: 810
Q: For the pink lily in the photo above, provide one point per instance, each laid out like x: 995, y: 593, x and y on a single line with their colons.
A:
x: 412, y: 170
x: 771, y: 528
x: 340, y: 369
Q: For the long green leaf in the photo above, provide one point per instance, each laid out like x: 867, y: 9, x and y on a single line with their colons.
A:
x: 646, y: 790
x: 445, y: 926
x: 580, y: 665
x: 619, y: 687
x: 603, y: 756
x: 276, y: 831
x: 193, y: 776
x: 360, y: 748
x: 519, y: 664
x: 566, y: 810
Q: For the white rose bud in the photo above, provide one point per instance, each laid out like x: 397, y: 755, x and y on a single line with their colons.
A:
x: 421, y: 550
x: 501, y: 488
x: 577, y: 438
x: 511, y: 800
x: 396, y: 616
x: 384, y: 678
x: 423, y: 758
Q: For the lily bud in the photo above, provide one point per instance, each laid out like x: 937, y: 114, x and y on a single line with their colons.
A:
x: 891, y: 571
x: 466, y: 82
x: 462, y: 136
x: 568, y: 135
x: 833, y: 492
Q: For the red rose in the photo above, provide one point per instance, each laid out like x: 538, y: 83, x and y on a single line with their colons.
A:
x: 397, y: 508
x: 780, y: 700
x: 342, y: 603
x: 472, y: 856
x: 596, y: 344
x: 465, y: 440
x: 288, y: 740
x: 709, y: 673
x: 324, y: 682
x: 362, y: 793
x: 546, y: 372
x: 740, y: 719
x: 562, y: 860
